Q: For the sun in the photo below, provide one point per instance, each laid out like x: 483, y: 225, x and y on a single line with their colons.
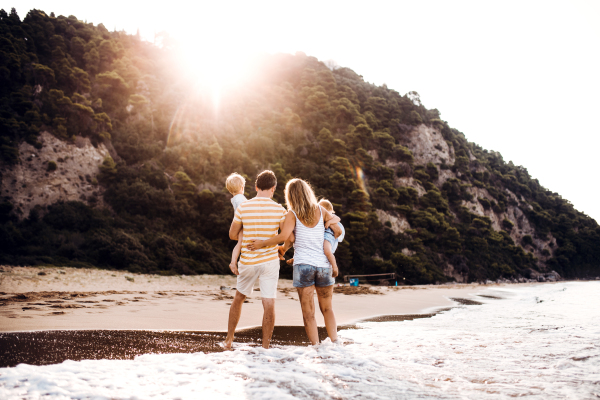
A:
x: 216, y: 64
x: 213, y: 68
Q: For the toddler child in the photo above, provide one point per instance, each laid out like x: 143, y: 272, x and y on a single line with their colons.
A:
x: 330, y: 243
x: 236, y: 183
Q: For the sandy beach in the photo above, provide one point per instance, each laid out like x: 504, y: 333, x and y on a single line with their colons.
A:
x: 43, y: 298
x: 123, y: 331
x: 50, y: 314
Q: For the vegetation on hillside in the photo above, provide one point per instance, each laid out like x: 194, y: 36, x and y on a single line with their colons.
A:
x: 169, y: 212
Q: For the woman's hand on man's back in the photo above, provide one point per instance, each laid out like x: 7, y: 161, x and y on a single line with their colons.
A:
x: 255, y: 245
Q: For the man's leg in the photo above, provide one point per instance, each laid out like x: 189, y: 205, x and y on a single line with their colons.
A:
x: 268, y: 322
x: 235, y: 311
x: 268, y: 280
x: 307, y: 302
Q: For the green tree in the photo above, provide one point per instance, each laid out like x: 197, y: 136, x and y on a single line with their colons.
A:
x: 183, y: 185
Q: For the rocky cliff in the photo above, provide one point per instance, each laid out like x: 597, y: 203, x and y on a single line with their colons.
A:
x: 58, y: 171
x: 428, y: 146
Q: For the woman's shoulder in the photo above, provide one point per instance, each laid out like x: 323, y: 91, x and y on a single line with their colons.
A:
x: 318, y: 214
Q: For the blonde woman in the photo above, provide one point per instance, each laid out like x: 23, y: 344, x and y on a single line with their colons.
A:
x: 312, y: 271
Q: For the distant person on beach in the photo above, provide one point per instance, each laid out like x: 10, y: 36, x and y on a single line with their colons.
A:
x: 312, y: 270
x: 330, y: 243
x: 236, y: 183
x: 259, y: 219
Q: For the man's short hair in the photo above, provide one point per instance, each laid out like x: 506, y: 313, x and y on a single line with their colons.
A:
x: 235, y: 182
x: 266, y: 180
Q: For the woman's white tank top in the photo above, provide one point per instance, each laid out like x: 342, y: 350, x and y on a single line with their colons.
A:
x: 308, y: 246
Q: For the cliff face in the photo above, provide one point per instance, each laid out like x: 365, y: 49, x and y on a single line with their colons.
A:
x: 428, y: 146
x: 32, y: 183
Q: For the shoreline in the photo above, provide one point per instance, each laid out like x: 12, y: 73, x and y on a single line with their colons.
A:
x: 469, y: 350
x: 69, y: 314
x: 46, y: 347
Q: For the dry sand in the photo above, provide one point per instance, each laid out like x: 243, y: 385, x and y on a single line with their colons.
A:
x: 44, y: 298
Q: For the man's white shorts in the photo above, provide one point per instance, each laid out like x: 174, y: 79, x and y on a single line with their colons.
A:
x: 267, y: 275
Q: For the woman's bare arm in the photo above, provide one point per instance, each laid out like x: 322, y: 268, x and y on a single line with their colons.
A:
x: 286, y: 229
x: 286, y: 246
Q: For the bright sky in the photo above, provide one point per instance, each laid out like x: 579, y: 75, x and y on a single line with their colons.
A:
x: 518, y: 77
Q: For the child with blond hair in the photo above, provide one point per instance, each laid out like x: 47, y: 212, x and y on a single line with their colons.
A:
x: 235, y: 184
x: 330, y: 243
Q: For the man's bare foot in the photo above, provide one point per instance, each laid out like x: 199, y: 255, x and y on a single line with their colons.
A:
x: 234, y: 269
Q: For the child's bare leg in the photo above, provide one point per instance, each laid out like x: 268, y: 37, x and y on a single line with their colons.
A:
x: 236, y: 253
x: 330, y: 257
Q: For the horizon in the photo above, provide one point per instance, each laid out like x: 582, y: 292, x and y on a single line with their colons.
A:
x: 471, y: 69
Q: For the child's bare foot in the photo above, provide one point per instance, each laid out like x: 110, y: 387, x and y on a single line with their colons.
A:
x: 234, y: 269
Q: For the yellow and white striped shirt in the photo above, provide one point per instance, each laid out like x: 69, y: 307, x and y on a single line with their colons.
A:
x: 260, y: 218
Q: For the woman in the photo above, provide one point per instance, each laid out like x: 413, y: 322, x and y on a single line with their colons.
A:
x: 312, y: 271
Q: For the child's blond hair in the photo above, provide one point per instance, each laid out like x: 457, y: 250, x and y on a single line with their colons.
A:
x: 235, y: 182
x: 326, y: 204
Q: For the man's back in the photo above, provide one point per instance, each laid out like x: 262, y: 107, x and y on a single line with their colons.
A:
x: 260, y: 218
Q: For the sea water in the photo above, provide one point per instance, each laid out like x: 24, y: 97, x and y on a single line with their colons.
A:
x: 542, y: 342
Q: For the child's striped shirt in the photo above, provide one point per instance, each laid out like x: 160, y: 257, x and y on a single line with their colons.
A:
x: 260, y: 218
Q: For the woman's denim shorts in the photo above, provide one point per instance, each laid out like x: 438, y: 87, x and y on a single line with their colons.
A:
x: 308, y: 275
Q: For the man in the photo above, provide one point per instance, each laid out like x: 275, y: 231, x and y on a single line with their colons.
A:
x: 260, y: 219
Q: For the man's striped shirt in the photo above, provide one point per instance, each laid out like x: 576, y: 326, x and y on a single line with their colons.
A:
x: 260, y: 218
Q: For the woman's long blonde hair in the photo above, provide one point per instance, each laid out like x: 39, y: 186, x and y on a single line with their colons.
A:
x: 301, y: 199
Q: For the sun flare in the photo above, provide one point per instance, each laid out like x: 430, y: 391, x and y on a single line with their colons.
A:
x: 215, y: 64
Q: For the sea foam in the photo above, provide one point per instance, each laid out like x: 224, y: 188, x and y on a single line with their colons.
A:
x: 541, y: 341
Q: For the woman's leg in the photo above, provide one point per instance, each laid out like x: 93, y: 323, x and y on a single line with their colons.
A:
x: 325, y: 296
x: 307, y: 302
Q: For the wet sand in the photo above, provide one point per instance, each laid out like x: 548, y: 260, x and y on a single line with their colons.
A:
x: 52, y: 347
x: 48, y: 315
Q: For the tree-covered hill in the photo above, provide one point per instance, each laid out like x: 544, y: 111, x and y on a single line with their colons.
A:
x: 416, y: 197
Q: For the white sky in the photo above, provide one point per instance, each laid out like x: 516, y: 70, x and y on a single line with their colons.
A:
x: 519, y: 77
